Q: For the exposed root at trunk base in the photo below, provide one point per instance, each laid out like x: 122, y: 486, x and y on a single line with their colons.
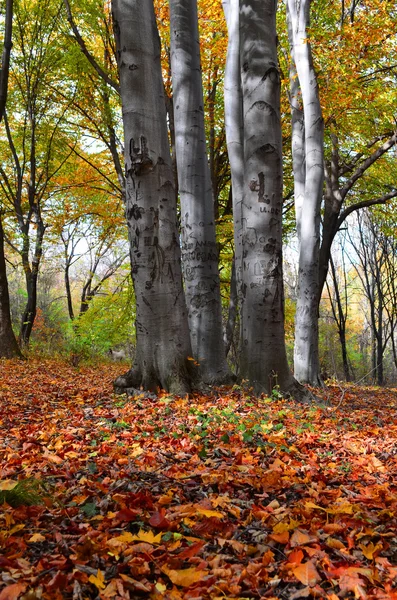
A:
x: 134, y: 381
x: 298, y: 392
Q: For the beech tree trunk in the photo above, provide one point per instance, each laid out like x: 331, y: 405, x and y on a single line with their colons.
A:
x: 163, y: 343
x: 233, y: 101
x: 263, y: 355
x: 306, y: 358
x: 199, y: 248
x: 8, y: 343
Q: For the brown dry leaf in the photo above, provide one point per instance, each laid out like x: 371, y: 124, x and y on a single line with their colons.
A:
x: 307, y: 574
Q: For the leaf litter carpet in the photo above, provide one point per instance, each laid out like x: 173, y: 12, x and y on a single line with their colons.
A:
x: 221, y: 496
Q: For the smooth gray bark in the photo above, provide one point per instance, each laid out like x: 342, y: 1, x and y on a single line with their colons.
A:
x: 163, y: 343
x: 233, y: 102
x: 199, y: 249
x: 263, y: 355
x: 306, y: 358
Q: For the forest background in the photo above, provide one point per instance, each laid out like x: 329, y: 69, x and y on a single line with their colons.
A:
x: 61, y: 181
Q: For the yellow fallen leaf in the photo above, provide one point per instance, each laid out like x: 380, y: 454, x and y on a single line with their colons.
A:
x: 124, y: 538
x: 147, y: 536
x: 307, y: 574
x: 98, y: 580
x: 184, y: 577
x: 71, y: 454
x: 370, y: 550
x: 160, y: 587
x: 16, y: 528
x: 7, y: 484
x: 210, y: 513
x: 36, y: 537
x: 342, y: 508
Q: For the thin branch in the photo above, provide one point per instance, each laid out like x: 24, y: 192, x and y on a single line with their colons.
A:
x: 364, y: 204
x: 86, y: 52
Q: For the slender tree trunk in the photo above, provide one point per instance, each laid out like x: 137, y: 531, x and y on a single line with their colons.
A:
x: 297, y: 133
x: 163, y: 343
x: 68, y: 292
x: 199, y: 249
x: 8, y: 343
x: 235, y: 135
x: 31, y: 277
x: 263, y: 355
x: 340, y: 319
x: 306, y: 358
x: 232, y: 312
x: 5, y: 59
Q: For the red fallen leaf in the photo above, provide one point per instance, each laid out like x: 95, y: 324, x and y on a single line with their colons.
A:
x: 307, y: 574
x: 159, y: 520
x: 11, y: 592
x: 126, y: 514
x: 58, y: 582
x: 192, y: 550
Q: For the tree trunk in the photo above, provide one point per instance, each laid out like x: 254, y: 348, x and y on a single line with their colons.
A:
x: 340, y: 319
x: 8, y: 343
x: 232, y: 312
x: 235, y: 135
x: 306, y: 359
x: 163, y: 344
x: 199, y: 249
x: 5, y: 59
x: 263, y: 355
x: 69, y: 293
x: 31, y: 277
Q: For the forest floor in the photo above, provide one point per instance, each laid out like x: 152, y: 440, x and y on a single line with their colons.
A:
x: 222, y: 496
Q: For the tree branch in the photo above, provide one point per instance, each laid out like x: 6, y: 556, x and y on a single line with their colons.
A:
x: 363, y: 204
x: 368, y: 162
x: 87, y: 53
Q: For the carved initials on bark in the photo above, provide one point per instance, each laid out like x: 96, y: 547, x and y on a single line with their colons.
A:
x: 141, y: 163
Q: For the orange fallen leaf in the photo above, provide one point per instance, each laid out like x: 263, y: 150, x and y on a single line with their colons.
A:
x: 296, y: 556
x: 307, y: 574
x: 300, y: 538
x: 13, y: 591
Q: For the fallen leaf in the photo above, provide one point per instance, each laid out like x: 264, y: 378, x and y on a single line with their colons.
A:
x: 184, y: 577
x: 98, y: 580
x: 307, y: 574
x: 13, y: 591
x: 36, y: 537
